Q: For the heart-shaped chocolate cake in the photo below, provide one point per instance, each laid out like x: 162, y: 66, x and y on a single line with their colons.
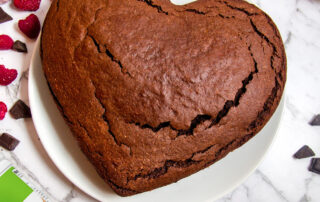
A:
x: 154, y: 92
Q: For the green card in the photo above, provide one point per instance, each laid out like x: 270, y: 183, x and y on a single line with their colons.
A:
x: 12, y: 188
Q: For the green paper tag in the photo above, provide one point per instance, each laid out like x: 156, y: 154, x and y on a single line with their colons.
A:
x: 16, y: 187
x: 12, y: 188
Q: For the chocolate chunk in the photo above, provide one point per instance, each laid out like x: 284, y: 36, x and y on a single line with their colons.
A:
x: 4, y: 17
x: 20, y: 46
x: 20, y: 110
x: 315, y: 165
x: 8, y: 142
x: 304, y: 152
x: 315, y: 121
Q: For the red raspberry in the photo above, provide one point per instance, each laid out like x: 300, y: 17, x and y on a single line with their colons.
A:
x: 30, y: 26
x: 7, y: 75
x: 6, y: 42
x: 27, y: 5
x: 3, y: 110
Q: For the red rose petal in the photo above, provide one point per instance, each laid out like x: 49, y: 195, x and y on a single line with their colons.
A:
x: 30, y: 26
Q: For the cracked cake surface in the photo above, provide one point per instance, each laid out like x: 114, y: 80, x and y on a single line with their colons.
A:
x: 154, y: 92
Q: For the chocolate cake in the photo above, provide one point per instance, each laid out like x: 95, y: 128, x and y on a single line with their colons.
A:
x: 154, y: 92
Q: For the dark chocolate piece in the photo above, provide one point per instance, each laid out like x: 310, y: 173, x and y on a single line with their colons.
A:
x: 8, y: 142
x: 4, y: 17
x: 315, y: 165
x: 20, y: 47
x: 20, y: 110
x: 315, y: 121
x: 304, y: 152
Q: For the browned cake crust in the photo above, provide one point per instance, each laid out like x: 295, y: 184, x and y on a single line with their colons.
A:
x: 154, y: 92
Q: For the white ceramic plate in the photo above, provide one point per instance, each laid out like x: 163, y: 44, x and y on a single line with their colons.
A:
x: 206, y: 185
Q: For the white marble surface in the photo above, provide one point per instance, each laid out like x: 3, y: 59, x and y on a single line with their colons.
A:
x: 278, y: 178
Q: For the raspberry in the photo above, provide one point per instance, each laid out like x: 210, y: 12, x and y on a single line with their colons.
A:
x: 27, y: 5
x: 3, y: 110
x: 6, y: 42
x: 30, y: 26
x: 7, y: 75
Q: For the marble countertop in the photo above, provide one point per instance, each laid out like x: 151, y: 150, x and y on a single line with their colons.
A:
x: 278, y: 178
